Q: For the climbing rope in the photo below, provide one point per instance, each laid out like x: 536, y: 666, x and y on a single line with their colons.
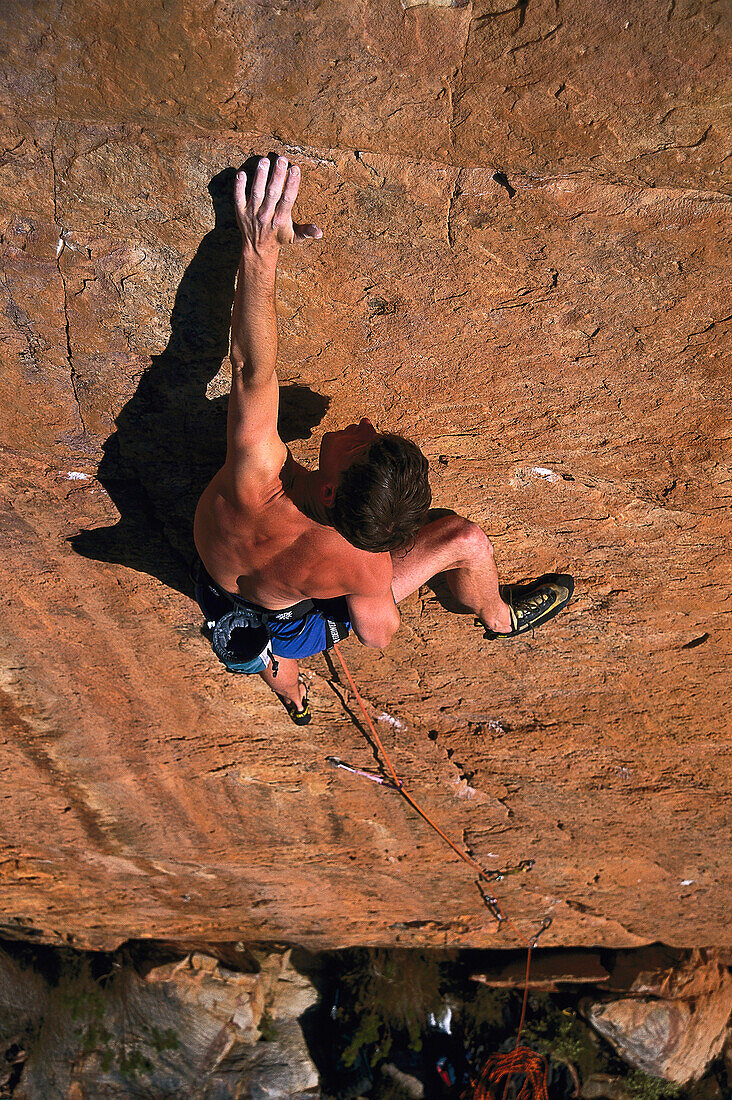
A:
x: 521, y: 1060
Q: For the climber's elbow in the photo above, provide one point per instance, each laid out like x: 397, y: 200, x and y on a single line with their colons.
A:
x: 374, y: 626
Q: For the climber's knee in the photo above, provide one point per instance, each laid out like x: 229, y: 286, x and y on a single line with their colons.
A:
x: 468, y: 542
x: 476, y: 544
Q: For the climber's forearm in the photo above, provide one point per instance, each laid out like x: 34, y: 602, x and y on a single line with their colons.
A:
x: 254, y: 317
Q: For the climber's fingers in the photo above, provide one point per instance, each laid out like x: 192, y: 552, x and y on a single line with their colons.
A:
x: 240, y: 195
x: 273, y: 193
x: 265, y: 219
x: 259, y: 184
x: 283, y: 211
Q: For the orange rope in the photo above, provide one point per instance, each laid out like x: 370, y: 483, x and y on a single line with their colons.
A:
x: 492, y: 902
x: 521, y: 1059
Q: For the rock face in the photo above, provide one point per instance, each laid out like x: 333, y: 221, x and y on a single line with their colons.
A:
x: 679, y: 1029
x: 187, y: 1028
x: 23, y: 1002
x: 526, y: 227
x: 548, y: 972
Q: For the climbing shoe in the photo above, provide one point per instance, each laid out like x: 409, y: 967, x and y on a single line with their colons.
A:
x: 534, y: 604
x: 299, y: 717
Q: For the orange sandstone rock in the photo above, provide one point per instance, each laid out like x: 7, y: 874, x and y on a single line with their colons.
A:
x: 524, y: 267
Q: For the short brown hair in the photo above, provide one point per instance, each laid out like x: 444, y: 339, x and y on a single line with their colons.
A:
x: 383, y: 498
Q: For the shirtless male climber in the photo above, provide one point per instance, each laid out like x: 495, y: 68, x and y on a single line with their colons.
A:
x: 290, y: 559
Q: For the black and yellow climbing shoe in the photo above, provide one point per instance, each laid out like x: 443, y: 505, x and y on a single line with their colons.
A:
x: 299, y: 717
x: 534, y: 604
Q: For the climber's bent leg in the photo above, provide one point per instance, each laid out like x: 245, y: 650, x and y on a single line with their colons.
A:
x: 461, y: 551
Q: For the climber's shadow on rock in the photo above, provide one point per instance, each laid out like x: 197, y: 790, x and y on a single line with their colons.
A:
x: 170, y: 437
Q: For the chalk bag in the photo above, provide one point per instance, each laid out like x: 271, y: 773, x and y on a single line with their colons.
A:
x: 242, y: 642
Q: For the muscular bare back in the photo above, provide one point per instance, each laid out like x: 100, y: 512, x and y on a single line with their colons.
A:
x: 254, y: 539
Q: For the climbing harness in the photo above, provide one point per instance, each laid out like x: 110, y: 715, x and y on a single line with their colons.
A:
x: 241, y: 632
x: 521, y: 1060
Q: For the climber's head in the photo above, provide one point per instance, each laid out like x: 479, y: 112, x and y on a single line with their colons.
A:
x: 376, y: 486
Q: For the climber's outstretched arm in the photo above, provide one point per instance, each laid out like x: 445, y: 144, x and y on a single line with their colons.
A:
x: 265, y: 222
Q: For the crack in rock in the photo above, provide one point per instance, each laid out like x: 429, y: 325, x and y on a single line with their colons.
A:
x: 59, y: 252
x: 456, y: 192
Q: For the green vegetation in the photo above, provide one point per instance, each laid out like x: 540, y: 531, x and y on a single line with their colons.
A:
x: 555, y: 1030
x: 95, y: 1035
x: 267, y: 1028
x: 389, y: 995
x: 486, y: 1011
x: 390, y: 992
x: 642, y: 1087
x: 164, y: 1040
x: 78, y: 994
x: 562, y: 1036
x: 133, y: 1062
x: 88, y: 1000
x: 384, y: 1000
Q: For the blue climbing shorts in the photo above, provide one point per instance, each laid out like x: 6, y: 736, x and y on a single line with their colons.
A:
x: 302, y: 630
